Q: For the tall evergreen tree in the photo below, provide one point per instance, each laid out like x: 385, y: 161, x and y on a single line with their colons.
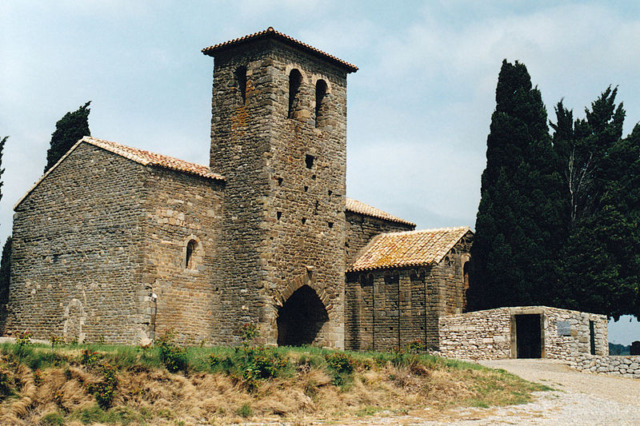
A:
x: 599, y: 266
x: 69, y: 129
x: 519, y: 214
x: 5, y: 272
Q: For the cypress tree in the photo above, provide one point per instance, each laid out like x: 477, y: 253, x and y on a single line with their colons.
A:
x: 69, y: 129
x: 5, y: 271
x: 599, y: 266
x: 518, y: 219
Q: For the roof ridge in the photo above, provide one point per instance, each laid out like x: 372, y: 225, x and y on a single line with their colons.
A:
x: 149, y: 158
x: 271, y: 32
x: 363, y: 208
x: 415, y: 231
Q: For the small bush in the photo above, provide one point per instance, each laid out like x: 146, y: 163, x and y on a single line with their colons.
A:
x: 6, y: 382
x: 105, y: 390
x: 173, y: 357
x: 52, y: 419
x: 417, y: 347
x: 340, y: 362
x: 245, y: 411
x: 89, y: 357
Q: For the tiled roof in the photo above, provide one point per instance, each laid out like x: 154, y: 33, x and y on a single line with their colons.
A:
x: 407, y: 249
x: 140, y: 156
x: 147, y: 158
x: 270, y: 32
x: 356, y: 206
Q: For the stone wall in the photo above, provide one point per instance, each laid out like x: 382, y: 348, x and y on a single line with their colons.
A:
x: 491, y: 334
x: 362, y: 228
x: 388, y: 309
x: 627, y: 366
x: 76, y: 260
x: 283, y: 214
x: 176, y: 292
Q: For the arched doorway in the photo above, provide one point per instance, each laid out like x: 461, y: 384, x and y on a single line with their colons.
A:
x: 301, y: 318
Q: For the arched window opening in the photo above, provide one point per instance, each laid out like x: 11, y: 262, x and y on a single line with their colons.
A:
x: 295, y: 80
x: 191, y: 248
x: 301, y: 318
x: 321, y: 93
x: 241, y: 81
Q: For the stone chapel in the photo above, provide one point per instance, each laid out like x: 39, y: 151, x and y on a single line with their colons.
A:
x: 119, y: 245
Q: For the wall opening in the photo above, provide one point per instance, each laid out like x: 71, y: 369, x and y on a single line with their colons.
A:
x: 309, y: 160
x: 529, y: 336
x: 191, y: 249
x: 295, y: 80
x: 241, y: 81
x: 592, y: 337
x: 301, y: 318
x: 321, y: 93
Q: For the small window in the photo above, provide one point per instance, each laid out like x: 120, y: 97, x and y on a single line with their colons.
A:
x: 295, y: 80
x: 191, y: 248
x: 330, y: 224
x: 241, y: 81
x: 280, y: 181
x: 304, y: 220
x: 309, y: 160
x: 278, y: 215
x: 321, y: 93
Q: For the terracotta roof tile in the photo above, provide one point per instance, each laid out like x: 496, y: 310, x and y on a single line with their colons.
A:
x: 407, y: 249
x: 270, y: 32
x: 148, y: 158
x: 140, y: 156
x: 356, y: 206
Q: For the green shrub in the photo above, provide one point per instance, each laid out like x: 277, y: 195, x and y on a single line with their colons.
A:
x: 245, y: 411
x: 105, y: 390
x: 52, y: 419
x: 173, y: 357
x: 89, y: 357
x: 340, y: 362
x: 417, y: 346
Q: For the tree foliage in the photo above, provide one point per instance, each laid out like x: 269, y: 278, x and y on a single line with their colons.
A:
x: 559, y: 219
x: 599, y: 266
x: 519, y: 215
x: 69, y: 129
x: 5, y: 271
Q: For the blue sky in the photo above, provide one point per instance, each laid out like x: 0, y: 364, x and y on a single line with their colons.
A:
x: 419, y: 108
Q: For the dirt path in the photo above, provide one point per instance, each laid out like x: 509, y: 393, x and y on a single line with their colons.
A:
x: 578, y: 399
x: 558, y: 375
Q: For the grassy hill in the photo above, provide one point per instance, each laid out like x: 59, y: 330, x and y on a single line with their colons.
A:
x: 168, y: 384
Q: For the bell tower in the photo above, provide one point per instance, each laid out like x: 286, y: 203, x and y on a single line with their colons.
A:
x: 278, y: 135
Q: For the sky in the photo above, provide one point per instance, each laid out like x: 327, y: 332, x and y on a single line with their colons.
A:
x: 419, y: 107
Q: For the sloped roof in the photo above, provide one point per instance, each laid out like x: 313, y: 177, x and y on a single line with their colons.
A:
x: 271, y: 33
x: 147, y: 158
x: 356, y: 206
x: 407, y: 249
x: 139, y: 156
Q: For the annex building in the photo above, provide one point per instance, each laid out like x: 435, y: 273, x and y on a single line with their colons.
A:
x: 119, y: 245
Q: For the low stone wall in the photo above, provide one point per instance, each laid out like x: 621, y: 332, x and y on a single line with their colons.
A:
x: 491, y: 334
x: 627, y: 366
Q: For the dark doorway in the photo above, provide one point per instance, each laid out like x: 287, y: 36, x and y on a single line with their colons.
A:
x: 528, y: 336
x: 301, y: 318
x: 592, y: 337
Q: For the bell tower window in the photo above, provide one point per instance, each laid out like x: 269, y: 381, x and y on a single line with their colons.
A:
x: 321, y: 93
x: 295, y: 80
x: 241, y: 81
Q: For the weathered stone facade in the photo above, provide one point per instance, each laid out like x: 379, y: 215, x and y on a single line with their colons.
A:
x: 391, y: 307
x: 617, y: 365
x: 494, y: 334
x: 98, y: 246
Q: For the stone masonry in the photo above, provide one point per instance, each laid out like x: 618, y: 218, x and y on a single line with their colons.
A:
x: 492, y: 334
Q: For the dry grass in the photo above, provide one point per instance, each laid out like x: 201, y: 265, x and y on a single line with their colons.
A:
x: 308, y: 389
